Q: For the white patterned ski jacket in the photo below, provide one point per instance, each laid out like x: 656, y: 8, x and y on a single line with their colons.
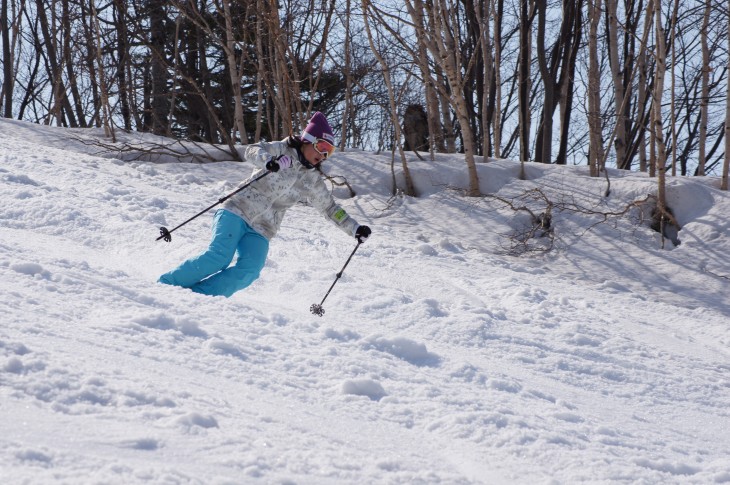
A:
x: 263, y: 204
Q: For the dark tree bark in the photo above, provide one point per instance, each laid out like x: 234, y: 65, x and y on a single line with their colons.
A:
x: 159, y: 75
x: 120, y: 22
x: 556, y: 72
x: 524, y: 80
x: 62, y: 107
x: 69, y: 64
x: 7, y: 62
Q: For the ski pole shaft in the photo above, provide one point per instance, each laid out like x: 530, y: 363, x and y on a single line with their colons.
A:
x: 166, y: 234
x: 317, y: 309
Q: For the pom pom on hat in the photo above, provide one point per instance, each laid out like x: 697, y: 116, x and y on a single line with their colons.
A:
x: 318, y: 128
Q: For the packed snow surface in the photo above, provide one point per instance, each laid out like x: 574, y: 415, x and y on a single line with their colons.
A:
x: 454, y: 349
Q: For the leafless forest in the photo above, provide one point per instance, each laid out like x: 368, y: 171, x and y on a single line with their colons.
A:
x: 637, y: 85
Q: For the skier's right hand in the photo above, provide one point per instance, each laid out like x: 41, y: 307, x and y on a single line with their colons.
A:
x: 283, y: 162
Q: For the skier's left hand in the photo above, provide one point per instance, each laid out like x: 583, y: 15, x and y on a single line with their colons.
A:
x: 362, y: 233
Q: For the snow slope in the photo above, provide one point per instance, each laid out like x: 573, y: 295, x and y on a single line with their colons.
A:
x: 441, y: 358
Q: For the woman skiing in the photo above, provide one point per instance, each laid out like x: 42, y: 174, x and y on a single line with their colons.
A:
x: 248, y: 220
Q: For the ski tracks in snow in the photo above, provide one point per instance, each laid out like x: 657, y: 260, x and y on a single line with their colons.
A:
x: 457, y: 366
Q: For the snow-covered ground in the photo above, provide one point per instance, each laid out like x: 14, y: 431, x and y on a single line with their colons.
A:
x: 442, y: 357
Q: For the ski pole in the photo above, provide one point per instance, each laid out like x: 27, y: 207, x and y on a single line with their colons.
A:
x: 166, y: 234
x: 317, y: 309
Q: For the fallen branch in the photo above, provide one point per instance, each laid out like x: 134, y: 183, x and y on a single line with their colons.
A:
x: 541, y: 210
x: 159, y: 152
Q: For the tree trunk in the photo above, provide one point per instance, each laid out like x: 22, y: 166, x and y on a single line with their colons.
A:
x: 482, y: 14
x: 68, y: 62
x: 643, y: 92
x: 497, y: 11
x: 524, y: 80
x: 448, y: 138
x: 433, y: 110
x: 61, y: 104
x: 705, y: 89
x: 7, y: 91
x: 543, y: 151
x: 120, y: 23
x: 410, y: 189
x: 595, y: 147
x: 448, y: 55
x: 319, y: 52
x: 661, y: 67
x: 726, y: 164
x: 283, y: 85
x: 573, y: 37
x: 348, y: 79
x: 618, y: 82
x: 159, y: 75
x: 261, y: 74
x: 235, y: 75
x: 673, y: 96
x: 105, y: 108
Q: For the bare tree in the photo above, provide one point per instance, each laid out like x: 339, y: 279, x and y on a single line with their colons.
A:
x: 432, y: 83
x: 444, y: 27
x: 119, y: 14
x: 726, y: 164
x: 556, y: 71
x: 497, y: 14
x: 7, y: 88
x: 485, y: 44
x: 524, y: 79
x: 348, y: 109
x: 159, y: 74
x: 704, y: 100
x: 572, y: 38
x: 673, y: 93
x: 618, y: 82
x: 410, y: 189
x: 438, y: 30
x: 234, y: 69
x: 642, y: 66
x: 256, y: 68
x: 595, y: 148
x: 105, y: 108
x: 660, y: 156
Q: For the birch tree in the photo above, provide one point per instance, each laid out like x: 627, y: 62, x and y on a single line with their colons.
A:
x: 441, y: 35
x: 618, y: 82
x: 660, y: 155
x: 595, y: 147
x: 410, y: 189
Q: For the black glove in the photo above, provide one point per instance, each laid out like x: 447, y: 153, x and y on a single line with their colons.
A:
x: 272, y: 166
x: 362, y: 233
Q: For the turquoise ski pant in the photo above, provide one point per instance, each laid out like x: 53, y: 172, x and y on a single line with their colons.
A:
x: 209, y: 272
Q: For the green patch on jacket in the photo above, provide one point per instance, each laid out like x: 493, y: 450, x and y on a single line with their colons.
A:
x: 339, y: 216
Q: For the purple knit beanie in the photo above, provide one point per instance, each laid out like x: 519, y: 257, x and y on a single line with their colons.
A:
x: 318, y: 128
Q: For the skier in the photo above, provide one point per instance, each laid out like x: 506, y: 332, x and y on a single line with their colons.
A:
x: 247, y: 221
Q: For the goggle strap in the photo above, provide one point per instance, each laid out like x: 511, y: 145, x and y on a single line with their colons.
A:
x: 308, y: 137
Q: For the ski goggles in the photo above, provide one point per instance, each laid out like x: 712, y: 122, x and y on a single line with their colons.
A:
x: 321, y: 146
x: 324, y: 148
